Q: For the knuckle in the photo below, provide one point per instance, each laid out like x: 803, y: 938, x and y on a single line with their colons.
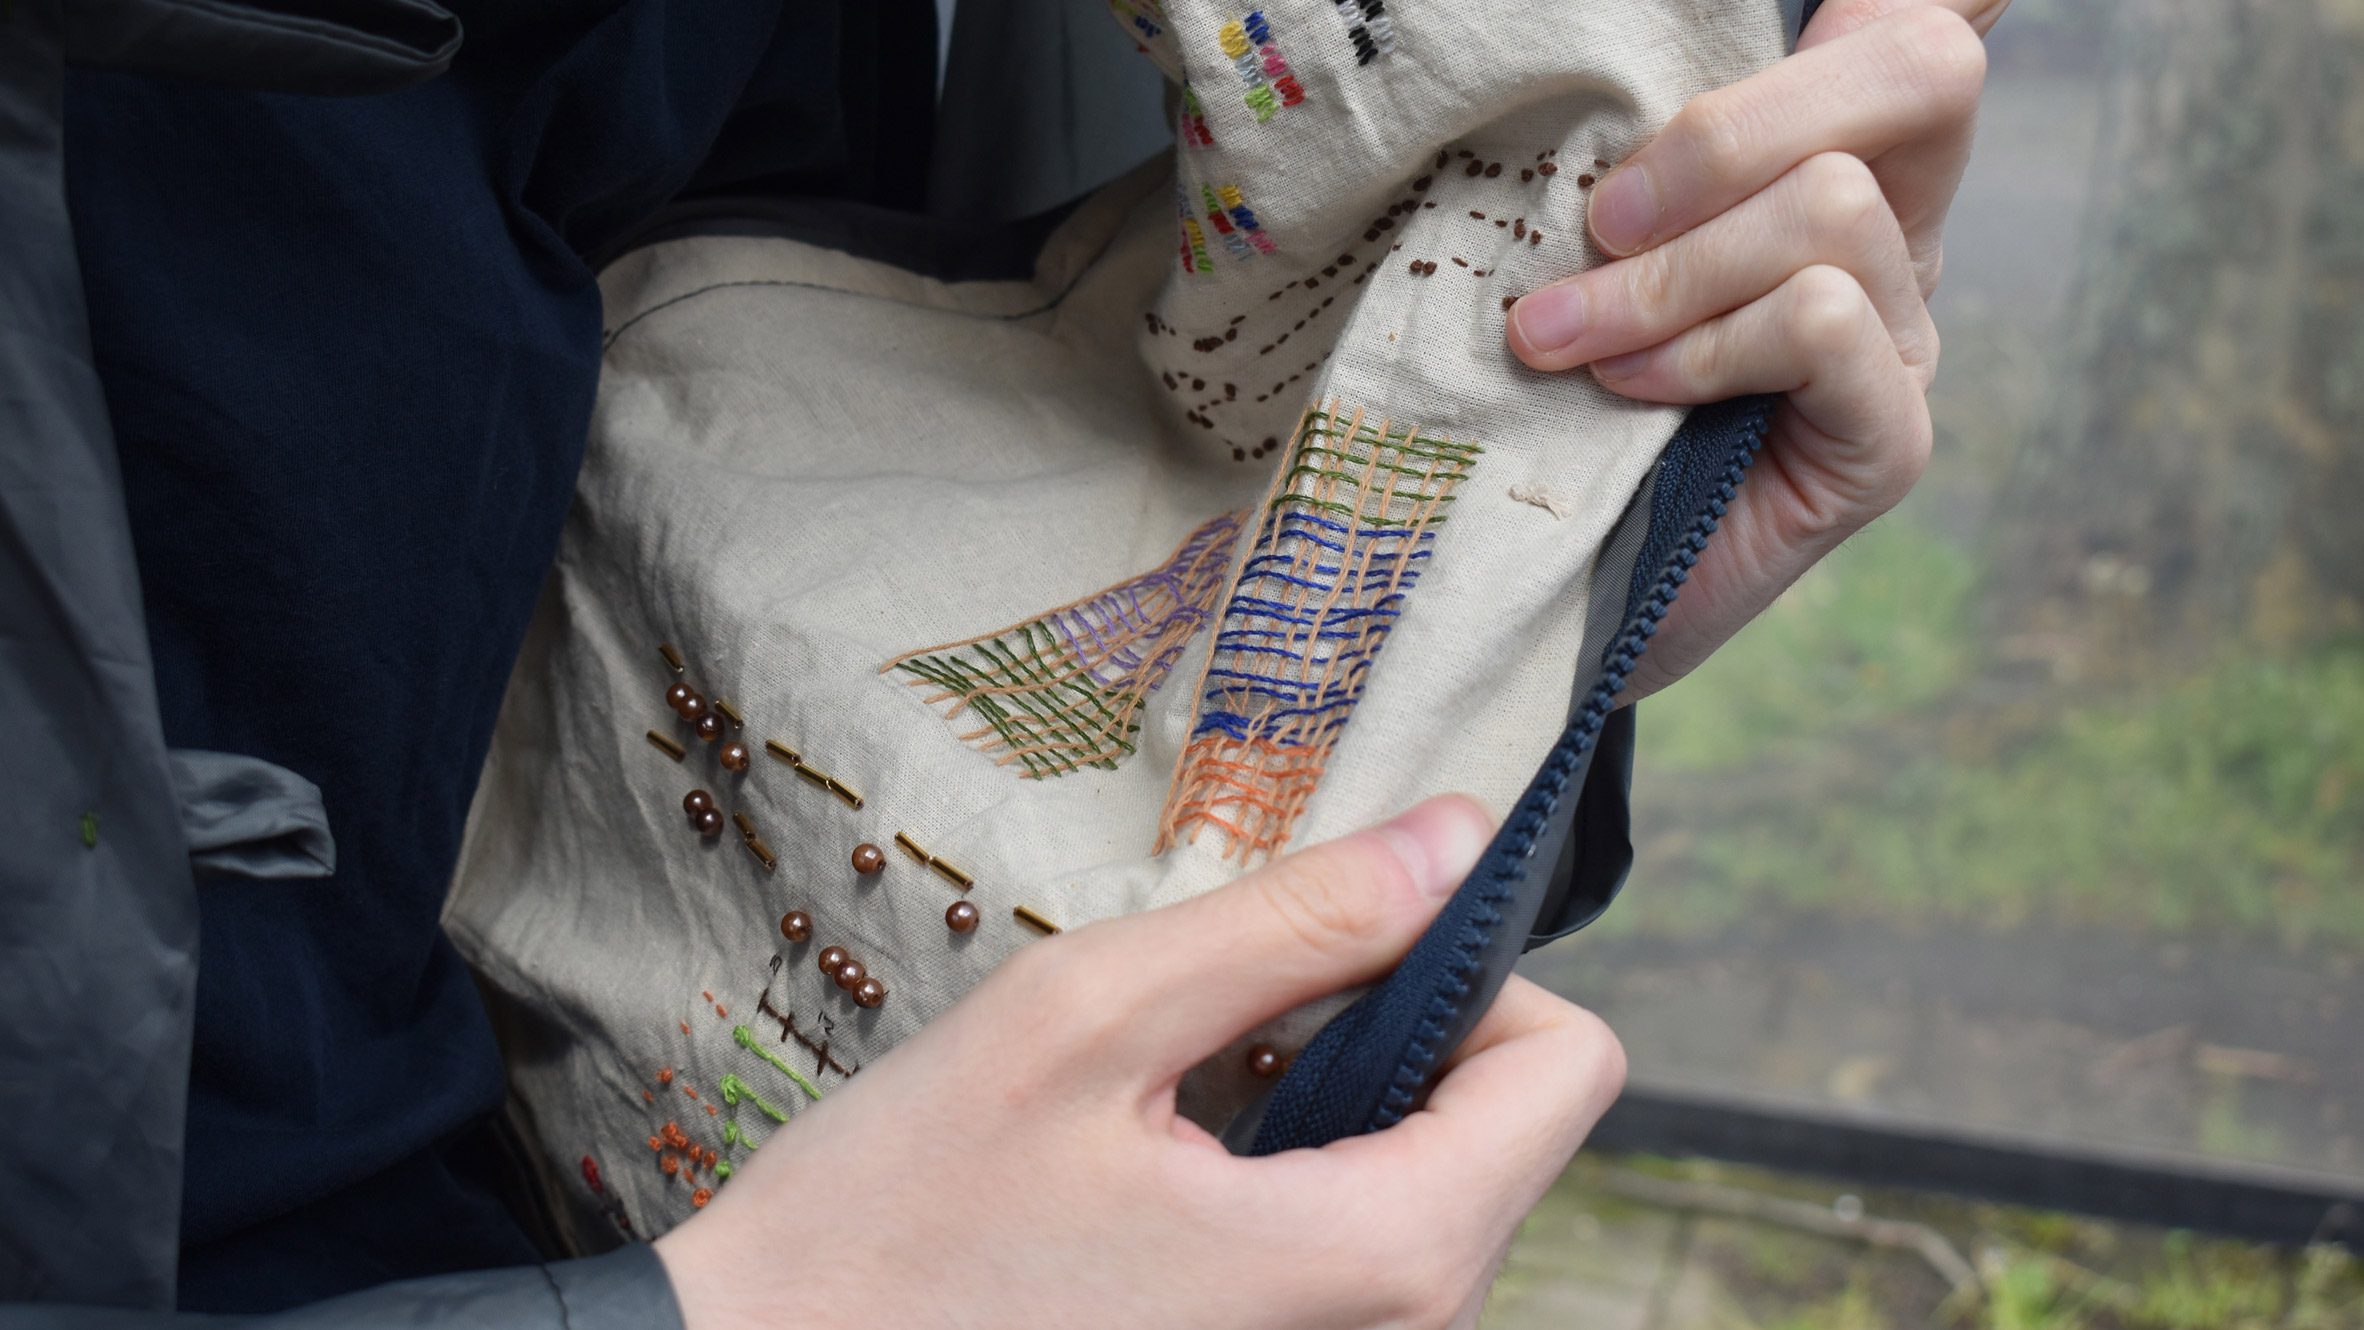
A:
x: 1059, y: 975
x: 1842, y: 198
x: 1930, y: 270
x: 1425, y: 1291
x: 1715, y: 127
x: 1944, y: 54
x: 1650, y: 282
x: 1599, y: 1047
x: 1322, y: 900
x: 1826, y: 314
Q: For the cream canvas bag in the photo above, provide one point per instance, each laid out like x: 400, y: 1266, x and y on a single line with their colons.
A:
x: 1005, y: 606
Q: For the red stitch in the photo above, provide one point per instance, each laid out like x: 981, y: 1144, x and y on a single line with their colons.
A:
x: 665, y: 1077
x: 591, y: 1174
x: 702, y: 1195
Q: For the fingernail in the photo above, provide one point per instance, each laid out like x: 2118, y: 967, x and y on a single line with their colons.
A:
x: 1439, y: 841
x: 1550, y: 318
x: 1619, y: 367
x: 1625, y: 210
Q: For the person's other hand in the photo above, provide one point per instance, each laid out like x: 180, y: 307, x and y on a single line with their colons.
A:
x: 1019, y: 1162
x: 1782, y: 235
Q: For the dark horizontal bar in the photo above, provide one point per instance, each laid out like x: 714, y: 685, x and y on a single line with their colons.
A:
x: 2259, y: 1202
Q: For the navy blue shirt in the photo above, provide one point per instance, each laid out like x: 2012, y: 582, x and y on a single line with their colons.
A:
x: 350, y: 347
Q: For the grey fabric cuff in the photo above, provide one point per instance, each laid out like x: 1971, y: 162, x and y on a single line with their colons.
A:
x: 624, y: 1290
x: 330, y: 47
x: 246, y: 816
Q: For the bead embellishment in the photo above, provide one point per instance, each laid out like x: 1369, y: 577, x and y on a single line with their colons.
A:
x: 961, y: 917
x: 667, y: 745
x: 1034, y: 921
x: 938, y: 866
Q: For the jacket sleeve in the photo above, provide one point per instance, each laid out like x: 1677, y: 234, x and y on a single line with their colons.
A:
x: 622, y: 1290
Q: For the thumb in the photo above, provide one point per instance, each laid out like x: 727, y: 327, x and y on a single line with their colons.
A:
x: 1327, y: 917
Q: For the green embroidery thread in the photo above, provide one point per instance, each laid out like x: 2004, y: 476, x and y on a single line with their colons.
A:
x: 746, y: 1038
x: 734, y: 1090
x: 1064, y: 689
x: 90, y: 831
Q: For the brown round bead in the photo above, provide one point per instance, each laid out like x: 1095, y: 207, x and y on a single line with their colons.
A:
x: 832, y: 958
x: 868, y: 858
x: 691, y: 706
x: 796, y: 925
x: 678, y: 694
x: 708, y: 823
x: 869, y: 993
x: 734, y: 756
x: 1263, y: 1060
x: 961, y: 917
x: 851, y: 974
x: 696, y: 802
x: 710, y: 727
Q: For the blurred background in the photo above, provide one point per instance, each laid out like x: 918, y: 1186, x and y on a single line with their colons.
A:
x: 2018, y: 851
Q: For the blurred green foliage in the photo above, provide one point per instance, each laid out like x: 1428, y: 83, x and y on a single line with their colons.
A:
x: 1859, y: 748
x: 2037, y: 1270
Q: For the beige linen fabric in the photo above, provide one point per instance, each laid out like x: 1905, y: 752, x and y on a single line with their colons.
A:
x: 804, y: 465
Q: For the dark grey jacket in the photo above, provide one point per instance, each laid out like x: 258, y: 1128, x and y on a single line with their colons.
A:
x: 100, y: 824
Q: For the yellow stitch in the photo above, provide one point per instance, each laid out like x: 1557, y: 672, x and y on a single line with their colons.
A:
x: 1034, y: 921
x: 730, y: 713
x: 666, y: 744
x: 782, y: 752
x: 1231, y: 196
x: 672, y: 657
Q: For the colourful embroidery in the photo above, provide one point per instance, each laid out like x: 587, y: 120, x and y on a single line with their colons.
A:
x: 1369, y: 28
x: 1194, y: 237
x: 1228, y: 212
x: 1248, y: 44
x: 1064, y: 690
x: 746, y: 1039
x: 1143, y: 18
x: 1190, y: 123
x: 1350, y: 521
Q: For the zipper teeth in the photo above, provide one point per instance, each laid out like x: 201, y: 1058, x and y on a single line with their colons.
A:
x: 1534, y: 810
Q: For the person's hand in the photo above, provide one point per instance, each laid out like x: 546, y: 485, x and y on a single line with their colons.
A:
x: 1782, y: 235
x: 1019, y: 1162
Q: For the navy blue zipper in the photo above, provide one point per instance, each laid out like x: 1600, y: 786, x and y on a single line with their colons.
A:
x: 1369, y: 1066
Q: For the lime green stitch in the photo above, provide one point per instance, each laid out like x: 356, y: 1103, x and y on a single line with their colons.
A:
x: 746, y: 1038
x: 723, y: 1170
x: 90, y: 831
x: 734, y: 1090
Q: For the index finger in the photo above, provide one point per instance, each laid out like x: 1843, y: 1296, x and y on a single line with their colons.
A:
x: 1910, y: 74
